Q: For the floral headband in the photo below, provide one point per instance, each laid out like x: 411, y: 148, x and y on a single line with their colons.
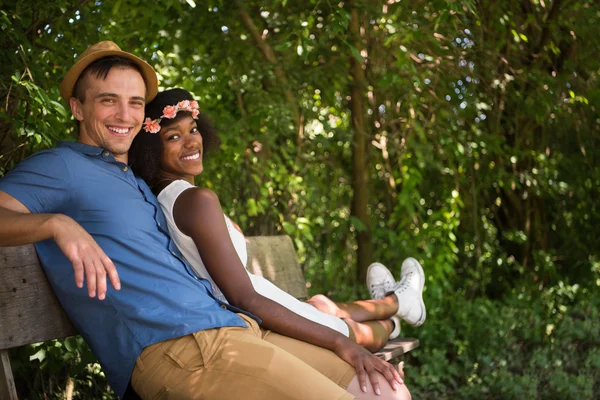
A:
x: 153, y: 125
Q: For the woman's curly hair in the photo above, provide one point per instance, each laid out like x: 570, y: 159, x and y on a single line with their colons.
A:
x: 146, y: 149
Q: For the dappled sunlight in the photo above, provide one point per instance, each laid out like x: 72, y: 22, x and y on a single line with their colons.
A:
x: 462, y: 133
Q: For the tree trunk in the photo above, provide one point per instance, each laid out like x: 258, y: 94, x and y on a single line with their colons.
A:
x: 359, y: 151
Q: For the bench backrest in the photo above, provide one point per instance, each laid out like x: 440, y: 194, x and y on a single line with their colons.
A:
x: 30, y: 313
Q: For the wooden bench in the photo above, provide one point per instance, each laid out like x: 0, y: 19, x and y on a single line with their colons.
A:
x: 30, y: 313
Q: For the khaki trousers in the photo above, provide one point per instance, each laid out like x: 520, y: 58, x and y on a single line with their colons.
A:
x: 240, y: 363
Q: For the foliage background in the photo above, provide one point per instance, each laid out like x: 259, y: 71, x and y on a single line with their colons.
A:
x: 464, y: 133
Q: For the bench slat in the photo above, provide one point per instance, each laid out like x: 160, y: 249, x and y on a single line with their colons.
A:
x: 274, y: 258
x: 29, y: 310
x: 396, y: 348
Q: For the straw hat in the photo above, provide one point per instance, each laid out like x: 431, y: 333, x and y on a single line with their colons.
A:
x: 98, y: 51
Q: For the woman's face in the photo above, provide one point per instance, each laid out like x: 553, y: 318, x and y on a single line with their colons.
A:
x: 182, y: 150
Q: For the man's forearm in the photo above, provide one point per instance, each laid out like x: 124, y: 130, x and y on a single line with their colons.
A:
x: 88, y: 259
x: 17, y: 228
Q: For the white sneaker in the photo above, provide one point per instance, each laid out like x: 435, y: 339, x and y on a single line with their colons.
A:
x: 409, y: 292
x: 380, y: 281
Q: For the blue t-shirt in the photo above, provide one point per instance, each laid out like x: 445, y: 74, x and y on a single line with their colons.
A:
x: 160, y: 297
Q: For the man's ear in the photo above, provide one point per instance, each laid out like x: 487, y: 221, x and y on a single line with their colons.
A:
x: 76, y: 108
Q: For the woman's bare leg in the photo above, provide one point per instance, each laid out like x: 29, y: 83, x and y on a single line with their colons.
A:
x: 368, y: 320
x: 372, y: 335
x: 360, y: 310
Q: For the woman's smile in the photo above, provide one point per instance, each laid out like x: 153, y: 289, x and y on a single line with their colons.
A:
x: 191, y: 157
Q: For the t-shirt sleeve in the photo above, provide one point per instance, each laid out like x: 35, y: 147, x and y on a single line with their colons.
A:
x: 42, y: 182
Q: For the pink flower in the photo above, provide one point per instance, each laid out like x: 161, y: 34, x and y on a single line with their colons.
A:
x: 194, y: 105
x: 170, y: 112
x: 183, y: 104
x: 151, y: 126
x: 195, y: 113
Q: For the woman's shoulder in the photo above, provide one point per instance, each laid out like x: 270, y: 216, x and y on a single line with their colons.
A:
x: 197, y: 209
x: 194, y: 196
x: 176, y: 188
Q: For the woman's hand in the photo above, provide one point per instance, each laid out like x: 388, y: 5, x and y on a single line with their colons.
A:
x: 366, y: 364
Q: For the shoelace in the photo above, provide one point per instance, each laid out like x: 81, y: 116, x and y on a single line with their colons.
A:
x: 378, y: 289
x: 404, y: 283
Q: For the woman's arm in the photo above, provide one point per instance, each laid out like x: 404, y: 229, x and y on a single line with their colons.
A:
x: 198, y: 214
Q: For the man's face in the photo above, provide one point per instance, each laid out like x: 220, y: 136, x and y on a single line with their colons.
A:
x: 113, y: 111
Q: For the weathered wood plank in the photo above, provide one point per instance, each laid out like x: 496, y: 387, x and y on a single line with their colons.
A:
x: 396, y: 348
x: 274, y: 258
x: 29, y: 311
x: 8, y: 391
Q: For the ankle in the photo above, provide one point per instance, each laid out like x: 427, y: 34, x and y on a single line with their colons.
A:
x: 392, y: 300
x: 395, y: 332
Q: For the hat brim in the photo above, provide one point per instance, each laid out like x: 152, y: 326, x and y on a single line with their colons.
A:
x: 148, y: 73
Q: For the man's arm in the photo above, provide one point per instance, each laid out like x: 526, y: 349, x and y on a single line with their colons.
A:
x: 19, y: 226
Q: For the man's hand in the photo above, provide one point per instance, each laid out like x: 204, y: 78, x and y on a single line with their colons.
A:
x: 85, y: 254
x: 366, y: 364
x: 20, y: 226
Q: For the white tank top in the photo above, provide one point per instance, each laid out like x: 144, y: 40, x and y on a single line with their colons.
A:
x: 186, y: 245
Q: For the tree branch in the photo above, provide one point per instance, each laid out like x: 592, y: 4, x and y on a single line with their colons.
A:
x: 34, y: 26
x: 271, y: 58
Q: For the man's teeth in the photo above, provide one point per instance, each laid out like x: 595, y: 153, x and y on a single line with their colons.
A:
x: 119, y: 130
x: 192, y: 157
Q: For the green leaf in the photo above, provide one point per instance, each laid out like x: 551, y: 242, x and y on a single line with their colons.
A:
x: 40, y: 355
x: 252, y: 207
x: 288, y: 228
x: 71, y: 343
x: 58, y: 107
x: 354, y: 51
x: 308, y: 235
x: 116, y: 7
x: 303, y: 220
x: 358, y: 224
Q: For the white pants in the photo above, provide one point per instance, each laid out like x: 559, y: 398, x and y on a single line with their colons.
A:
x: 270, y: 291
